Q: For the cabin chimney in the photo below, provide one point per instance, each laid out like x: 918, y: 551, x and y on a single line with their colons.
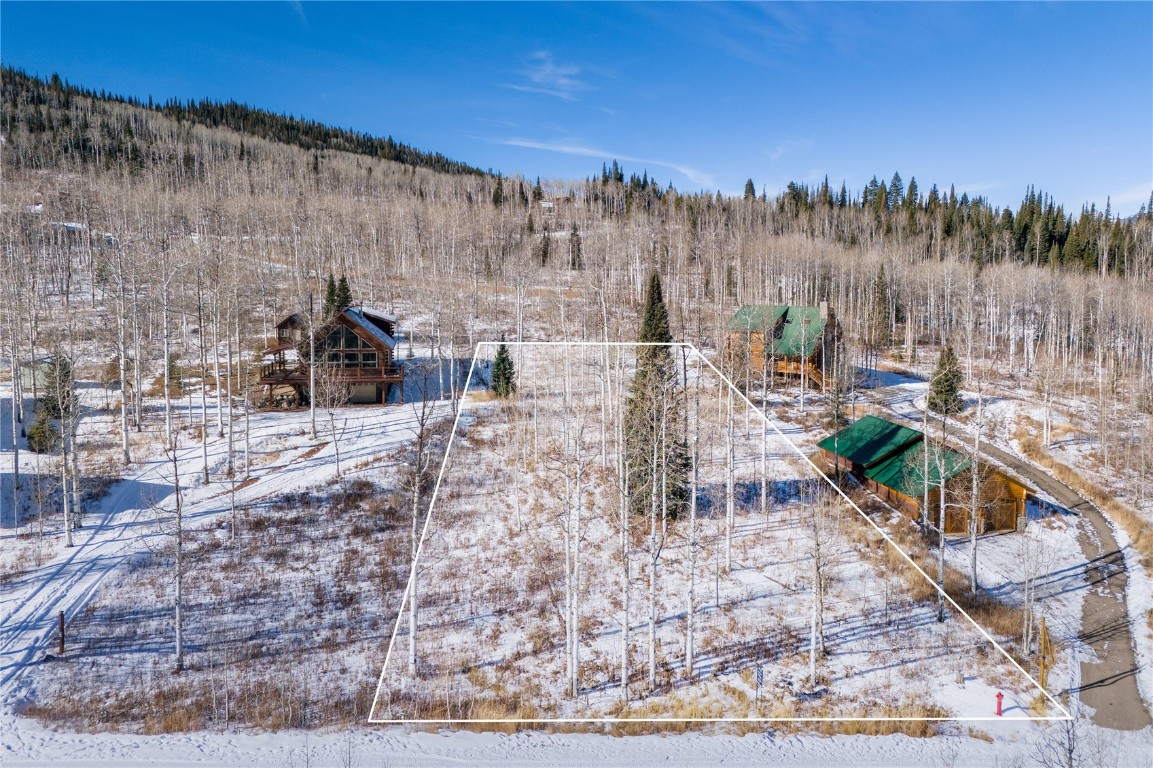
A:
x: 824, y: 310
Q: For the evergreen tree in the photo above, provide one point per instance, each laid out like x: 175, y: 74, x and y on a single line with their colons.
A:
x: 896, y: 190
x: 912, y: 195
x: 945, y: 388
x: 59, y: 395
x: 575, y: 259
x: 343, y: 297
x: 545, y: 247
x: 329, y: 297
x: 503, y: 372
x: 750, y: 190
x: 498, y: 192
x: 657, y: 458
x: 42, y: 436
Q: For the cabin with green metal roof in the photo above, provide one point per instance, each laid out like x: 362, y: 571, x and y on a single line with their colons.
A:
x: 781, y: 339
x: 866, y: 443
x: 895, y: 463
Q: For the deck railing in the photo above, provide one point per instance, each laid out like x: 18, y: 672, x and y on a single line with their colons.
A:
x: 285, y: 371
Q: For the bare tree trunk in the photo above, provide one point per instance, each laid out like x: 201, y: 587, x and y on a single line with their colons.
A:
x: 167, y: 363
x: 730, y: 487
x: 975, y: 498
x: 203, y: 377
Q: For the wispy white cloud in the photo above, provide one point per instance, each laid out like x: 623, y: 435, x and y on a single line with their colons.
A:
x: 787, y: 148
x: 692, y: 174
x: 298, y: 6
x: 545, y: 75
x: 1134, y: 196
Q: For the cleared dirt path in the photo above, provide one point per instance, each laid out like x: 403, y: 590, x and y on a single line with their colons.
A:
x: 1108, y: 684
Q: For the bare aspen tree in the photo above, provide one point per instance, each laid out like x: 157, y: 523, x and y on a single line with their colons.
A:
x: 330, y: 394
x: 823, y: 529
x: 693, y: 543
x: 201, y: 337
x: 571, y: 456
x: 170, y: 523
x: 416, y: 482
x: 730, y: 480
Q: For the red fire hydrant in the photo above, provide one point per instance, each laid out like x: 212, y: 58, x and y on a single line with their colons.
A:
x: 1000, y: 696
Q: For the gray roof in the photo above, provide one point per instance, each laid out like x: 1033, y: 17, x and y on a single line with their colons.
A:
x: 370, y: 312
x: 369, y: 327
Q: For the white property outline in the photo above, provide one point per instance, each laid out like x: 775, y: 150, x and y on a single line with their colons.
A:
x: 610, y: 720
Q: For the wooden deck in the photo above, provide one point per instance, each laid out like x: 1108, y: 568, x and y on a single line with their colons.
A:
x: 275, y: 374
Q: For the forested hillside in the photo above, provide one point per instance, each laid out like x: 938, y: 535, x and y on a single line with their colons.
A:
x: 1039, y: 231
x: 172, y: 219
x: 96, y: 133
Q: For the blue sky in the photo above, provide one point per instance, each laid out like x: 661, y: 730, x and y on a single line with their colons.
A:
x: 991, y: 97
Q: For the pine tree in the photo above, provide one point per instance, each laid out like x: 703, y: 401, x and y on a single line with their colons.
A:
x: 329, y: 297
x: 945, y: 388
x: 896, y: 189
x: 575, y: 258
x: 657, y: 454
x: 750, y: 190
x: 343, y: 297
x: 503, y: 372
x: 498, y: 192
x: 545, y: 247
x: 58, y: 400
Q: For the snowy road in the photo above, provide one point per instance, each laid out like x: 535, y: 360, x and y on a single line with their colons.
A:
x: 123, y: 526
x: 1109, y: 682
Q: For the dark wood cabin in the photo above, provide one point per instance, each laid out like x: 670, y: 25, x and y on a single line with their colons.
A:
x: 357, y: 345
x: 890, y: 460
x: 783, y: 340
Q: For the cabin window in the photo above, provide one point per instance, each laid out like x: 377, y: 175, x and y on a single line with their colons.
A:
x: 368, y: 360
x: 345, y: 338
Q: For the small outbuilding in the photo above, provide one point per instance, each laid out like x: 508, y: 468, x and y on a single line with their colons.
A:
x: 35, y: 374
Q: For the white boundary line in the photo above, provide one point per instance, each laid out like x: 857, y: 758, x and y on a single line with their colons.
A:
x: 610, y: 720
x: 424, y: 531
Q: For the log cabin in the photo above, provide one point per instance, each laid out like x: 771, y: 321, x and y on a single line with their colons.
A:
x: 357, y: 345
x: 782, y: 339
x: 893, y: 462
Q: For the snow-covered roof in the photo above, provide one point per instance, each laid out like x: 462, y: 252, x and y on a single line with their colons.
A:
x: 369, y: 327
x: 370, y: 312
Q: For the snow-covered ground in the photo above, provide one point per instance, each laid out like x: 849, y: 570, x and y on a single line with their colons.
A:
x: 27, y: 744
x: 285, y: 459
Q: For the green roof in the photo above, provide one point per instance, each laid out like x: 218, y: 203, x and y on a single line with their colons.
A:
x: 756, y: 317
x: 905, y: 472
x: 870, y: 440
x: 796, y: 338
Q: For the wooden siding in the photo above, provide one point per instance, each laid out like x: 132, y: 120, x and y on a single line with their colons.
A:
x: 753, y: 343
x: 1002, y: 500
